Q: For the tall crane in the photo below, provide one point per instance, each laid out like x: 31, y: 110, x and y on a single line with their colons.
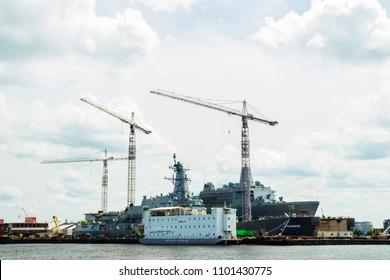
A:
x: 104, y: 197
x: 132, y: 146
x: 246, y: 180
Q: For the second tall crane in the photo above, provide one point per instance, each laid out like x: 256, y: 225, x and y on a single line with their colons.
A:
x: 132, y: 146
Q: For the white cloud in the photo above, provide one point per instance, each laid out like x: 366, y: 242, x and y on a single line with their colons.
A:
x: 9, y: 194
x: 355, y: 153
x: 347, y: 29
x: 168, y: 5
x: 72, y: 27
x: 317, y: 41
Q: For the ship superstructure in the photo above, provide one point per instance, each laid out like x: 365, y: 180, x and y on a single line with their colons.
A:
x: 181, y: 195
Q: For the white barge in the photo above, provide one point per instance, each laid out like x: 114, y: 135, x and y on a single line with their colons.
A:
x: 192, y: 226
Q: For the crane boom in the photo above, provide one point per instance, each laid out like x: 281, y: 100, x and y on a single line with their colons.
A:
x: 81, y: 159
x: 59, y: 231
x: 246, y: 180
x: 114, y: 114
x: 210, y: 105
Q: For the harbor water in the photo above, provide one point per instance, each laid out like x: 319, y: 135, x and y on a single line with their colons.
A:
x: 166, y: 252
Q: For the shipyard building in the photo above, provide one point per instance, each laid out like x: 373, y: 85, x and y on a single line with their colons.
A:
x: 363, y: 226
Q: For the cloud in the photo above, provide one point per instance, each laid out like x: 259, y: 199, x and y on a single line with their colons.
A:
x: 168, y: 5
x: 9, y: 193
x: 349, y: 30
x: 361, y: 131
x: 355, y: 152
x: 45, y: 28
x: 72, y: 185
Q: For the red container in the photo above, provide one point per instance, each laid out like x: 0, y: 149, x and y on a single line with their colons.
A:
x: 30, y: 220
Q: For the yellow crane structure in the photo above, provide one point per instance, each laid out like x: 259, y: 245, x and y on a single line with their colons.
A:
x: 105, y: 159
x: 132, y: 145
x: 59, y: 231
x: 246, y: 180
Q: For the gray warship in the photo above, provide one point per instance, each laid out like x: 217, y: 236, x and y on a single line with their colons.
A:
x: 264, y: 207
x: 263, y: 201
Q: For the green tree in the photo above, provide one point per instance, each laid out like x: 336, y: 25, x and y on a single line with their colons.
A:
x: 373, y: 232
x: 358, y: 232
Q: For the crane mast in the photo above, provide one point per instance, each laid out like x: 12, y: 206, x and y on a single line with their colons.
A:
x: 104, y: 194
x: 132, y: 145
x: 246, y: 180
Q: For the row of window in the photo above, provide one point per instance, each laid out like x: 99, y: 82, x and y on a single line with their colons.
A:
x: 168, y: 236
x: 32, y: 225
x: 175, y: 219
x: 185, y: 226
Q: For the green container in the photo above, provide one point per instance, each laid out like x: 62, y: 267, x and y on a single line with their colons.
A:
x: 245, y: 232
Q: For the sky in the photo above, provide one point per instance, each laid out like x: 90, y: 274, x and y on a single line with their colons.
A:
x: 319, y: 68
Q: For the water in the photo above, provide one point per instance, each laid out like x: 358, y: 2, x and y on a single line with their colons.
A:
x: 182, y: 252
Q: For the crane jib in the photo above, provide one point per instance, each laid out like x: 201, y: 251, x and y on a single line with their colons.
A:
x: 116, y: 115
x: 201, y: 102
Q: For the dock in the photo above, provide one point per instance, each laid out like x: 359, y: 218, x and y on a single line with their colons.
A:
x: 311, y: 241
x: 273, y: 241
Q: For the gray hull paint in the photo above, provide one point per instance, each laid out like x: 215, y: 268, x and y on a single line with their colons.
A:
x: 308, y: 208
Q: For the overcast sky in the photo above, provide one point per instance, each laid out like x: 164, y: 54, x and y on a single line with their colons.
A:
x: 319, y: 68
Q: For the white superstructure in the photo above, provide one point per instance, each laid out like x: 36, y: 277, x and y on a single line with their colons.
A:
x: 179, y: 225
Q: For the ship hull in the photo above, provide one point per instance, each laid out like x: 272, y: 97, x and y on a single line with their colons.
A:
x: 268, y: 226
x: 298, y: 208
x: 302, y: 226
x: 306, y: 208
x: 295, y: 208
x: 271, y: 226
x: 162, y: 241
